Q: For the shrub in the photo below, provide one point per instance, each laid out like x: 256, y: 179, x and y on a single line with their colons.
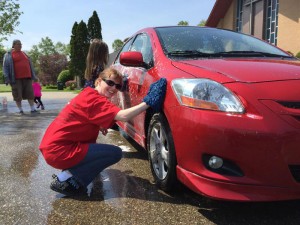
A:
x: 71, y: 84
x: 1, y: 77
x: 298, y: 55
x: 64, y: 76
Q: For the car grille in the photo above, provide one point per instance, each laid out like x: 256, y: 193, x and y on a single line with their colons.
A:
x: 288, y: 110
x: 295, y: 171
x: 291, y: 105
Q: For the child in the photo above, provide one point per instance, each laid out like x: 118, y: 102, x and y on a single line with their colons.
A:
x: 37, y: 90
x: 96, y: 61
x: 69, y: 143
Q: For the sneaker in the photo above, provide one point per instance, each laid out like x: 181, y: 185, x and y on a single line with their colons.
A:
x: 70, y: 187
x: 21, y: 112
x: 38, y: 105
x: 42, y: 107
x: 33, y: 111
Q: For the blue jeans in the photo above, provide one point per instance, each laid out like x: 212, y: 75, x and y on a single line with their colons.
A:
x: 99, y: 157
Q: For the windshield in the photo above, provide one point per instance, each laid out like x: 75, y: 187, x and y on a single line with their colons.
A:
x: 184, y: 41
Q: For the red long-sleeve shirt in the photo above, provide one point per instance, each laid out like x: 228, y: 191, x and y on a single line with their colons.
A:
x: 66, y: 140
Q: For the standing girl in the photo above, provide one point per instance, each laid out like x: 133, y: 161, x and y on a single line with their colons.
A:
x: 37, y: 90
x: 96, y: 61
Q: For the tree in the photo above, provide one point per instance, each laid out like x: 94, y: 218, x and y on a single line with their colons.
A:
x: 117, y: 44
x: 73, y: 55
x: 183, y: 23
x: 46, y: 47
x: 202, y: 23
x: 9, y: 18
x: 94, y: 27
x: 62, y: 48
x: 34, y: 55
x: 83, y: 46
x: 2, y: 52
x: 79, y: 45
x: 51, y: 66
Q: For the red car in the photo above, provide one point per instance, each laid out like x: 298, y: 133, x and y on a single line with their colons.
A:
x: 230, y: 124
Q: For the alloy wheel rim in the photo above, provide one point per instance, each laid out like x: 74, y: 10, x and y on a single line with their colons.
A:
x: 159, y: 151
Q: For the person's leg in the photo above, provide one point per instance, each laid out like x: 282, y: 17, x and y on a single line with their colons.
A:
x: 17, y: 94
x: 28, y: 93
x: 99, y: 157
x: 75, y: 180
x: 31, y: 102
x: 37, y: 102
x: 19, y: 105
x: 40, y: 103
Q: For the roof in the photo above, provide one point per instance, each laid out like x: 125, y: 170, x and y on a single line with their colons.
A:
x: 218, y: 12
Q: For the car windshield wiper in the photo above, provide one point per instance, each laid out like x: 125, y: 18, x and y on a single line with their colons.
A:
x: 194, y: 53
x: 189, y: 53
x: 250, y: 53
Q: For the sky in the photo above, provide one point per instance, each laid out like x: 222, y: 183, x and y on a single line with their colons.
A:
x: 119, y: 18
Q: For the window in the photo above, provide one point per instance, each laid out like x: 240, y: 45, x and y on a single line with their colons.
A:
x: 258, y: 18
x: 142, y: 44
x: 272, y: 21
x: 124, y: 49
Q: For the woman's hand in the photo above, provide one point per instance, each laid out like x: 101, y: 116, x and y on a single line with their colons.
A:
x: 156, y: 94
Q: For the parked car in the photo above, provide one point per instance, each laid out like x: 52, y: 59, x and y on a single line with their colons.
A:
x: 230, y: 124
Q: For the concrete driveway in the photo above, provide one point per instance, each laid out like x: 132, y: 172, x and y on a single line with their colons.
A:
x: 122, y: 194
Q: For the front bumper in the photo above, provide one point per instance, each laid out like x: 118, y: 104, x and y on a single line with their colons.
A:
x: 263, y: 148
x: 235, y: 192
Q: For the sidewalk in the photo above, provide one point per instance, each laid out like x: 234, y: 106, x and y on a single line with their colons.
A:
x: 46, y: 95
x: 51, y: 100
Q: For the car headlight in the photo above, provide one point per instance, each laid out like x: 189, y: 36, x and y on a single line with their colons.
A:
x: 206, y: 94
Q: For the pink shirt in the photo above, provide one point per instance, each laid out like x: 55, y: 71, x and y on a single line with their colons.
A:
x: 37, y: 89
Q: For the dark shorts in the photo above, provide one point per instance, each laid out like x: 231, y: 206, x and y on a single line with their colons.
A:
x: 22, y: 89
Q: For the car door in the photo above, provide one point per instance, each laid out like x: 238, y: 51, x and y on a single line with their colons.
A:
x: 137, y: 82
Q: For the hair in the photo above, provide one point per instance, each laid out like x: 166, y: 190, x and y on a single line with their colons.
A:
x: 97, y: 56
x: 108, y: 73
x: 15, y: 42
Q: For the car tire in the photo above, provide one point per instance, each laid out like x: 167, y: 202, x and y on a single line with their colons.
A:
x: 161, y: 152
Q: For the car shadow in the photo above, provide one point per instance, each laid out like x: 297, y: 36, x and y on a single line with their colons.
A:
x: 224, y: 213
x: 127, y: 185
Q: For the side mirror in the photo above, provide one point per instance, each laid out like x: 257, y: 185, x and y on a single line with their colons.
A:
x: 134, y: 59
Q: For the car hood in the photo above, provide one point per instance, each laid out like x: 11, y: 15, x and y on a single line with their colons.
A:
x: 242, y: 70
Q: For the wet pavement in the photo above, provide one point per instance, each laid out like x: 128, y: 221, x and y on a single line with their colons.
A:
x: 122, y: 194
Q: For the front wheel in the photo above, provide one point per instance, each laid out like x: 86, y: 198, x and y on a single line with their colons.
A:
x: 162, y: 157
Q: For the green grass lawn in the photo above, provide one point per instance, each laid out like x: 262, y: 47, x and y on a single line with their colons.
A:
x: 4, y: 88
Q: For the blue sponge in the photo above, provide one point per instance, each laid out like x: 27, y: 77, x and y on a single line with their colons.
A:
x: 156, y: 94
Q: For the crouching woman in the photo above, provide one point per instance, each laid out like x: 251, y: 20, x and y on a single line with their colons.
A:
x: 69, y: 143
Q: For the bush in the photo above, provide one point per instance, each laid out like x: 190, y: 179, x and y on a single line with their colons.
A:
x: 298, y: 55
x: 64, y: 76
x: 71, y: 84
x: 1, y: 77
